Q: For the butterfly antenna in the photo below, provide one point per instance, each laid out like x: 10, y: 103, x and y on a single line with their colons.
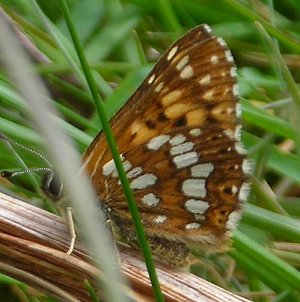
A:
x: 51, y: 184
x: 10, y: 174
x: 13, y: 142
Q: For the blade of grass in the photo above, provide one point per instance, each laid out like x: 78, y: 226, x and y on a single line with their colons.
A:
x: 251, y: 266
x: 271, y: 123
x: 165, y: 10
x: 291, y: 85
x: 269, y: 264
x: 283, y: 163
x: 65, y: 159
x: 282, y: 37
x: 116, y: 156
x: 266, y: 196
x: 275, y: 224
x: 116, y: 32
x: 60, y: 40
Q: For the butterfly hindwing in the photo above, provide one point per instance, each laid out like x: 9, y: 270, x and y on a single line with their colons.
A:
x: 179, y: 137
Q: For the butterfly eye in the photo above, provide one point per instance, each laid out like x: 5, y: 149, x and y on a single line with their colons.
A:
x: 52, y: 185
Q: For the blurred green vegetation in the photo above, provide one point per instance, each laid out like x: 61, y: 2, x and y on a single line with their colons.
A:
x: 122, y: 40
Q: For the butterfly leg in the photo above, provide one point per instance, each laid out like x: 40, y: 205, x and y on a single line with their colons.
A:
x: 114, y: 238
x: 71, y: 226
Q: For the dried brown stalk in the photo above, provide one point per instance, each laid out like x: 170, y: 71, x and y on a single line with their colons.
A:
x: 33, y: 243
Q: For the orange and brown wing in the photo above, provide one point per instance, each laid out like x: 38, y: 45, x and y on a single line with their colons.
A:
x: 193, y: 84
x: 180, y: 142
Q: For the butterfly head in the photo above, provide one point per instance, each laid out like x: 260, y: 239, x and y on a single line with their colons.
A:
x: 51, y: 184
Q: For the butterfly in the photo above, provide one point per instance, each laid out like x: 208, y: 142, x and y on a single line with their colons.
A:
x: 180, y: 143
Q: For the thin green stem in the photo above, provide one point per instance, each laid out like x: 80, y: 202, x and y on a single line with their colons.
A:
x: 113, y: 147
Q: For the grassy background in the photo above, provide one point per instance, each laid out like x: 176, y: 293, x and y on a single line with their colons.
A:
x: 122, y: 39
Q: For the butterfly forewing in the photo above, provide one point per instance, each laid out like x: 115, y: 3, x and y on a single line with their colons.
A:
x: 180, y: 143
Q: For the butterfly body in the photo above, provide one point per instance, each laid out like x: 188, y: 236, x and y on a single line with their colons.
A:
x: 179, y: 137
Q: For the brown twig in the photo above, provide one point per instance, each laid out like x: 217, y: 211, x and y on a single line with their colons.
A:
x: 33, y: 244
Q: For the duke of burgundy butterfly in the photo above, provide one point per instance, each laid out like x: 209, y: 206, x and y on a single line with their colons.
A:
x: 179, y: 138
x: 180, y: 143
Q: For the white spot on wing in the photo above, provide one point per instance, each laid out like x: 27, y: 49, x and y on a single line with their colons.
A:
x: 182, y: 62
x: 187, y: 72
x: 193, y: 226
x: 156, y: 142
x: 177, y: 139
x: 229, y: 110
x: 234, y: 189
x: 195, y: 132
x: 159, y: 87
x: 127, y: 166
x: 235, y: 90
x: 238, y: 132
x: 247, y: 166
x: 151, y: 79
x: 182, y: 148
x: 233, y: 72
x: 202, y: 170
x: 108, y: 168
x: 150, y: 199
x: 160, y: 219
x: 240, y: 148
x: 172, y: 52
x: 228, y: 56
x: 196, y: 206
x: 208, y: 94
x: 134, y: 172
x: 185, y: 160
x: 233, y: 220
x: 244, y: 192
x: 238, y: 110
x: 214, y: 59
x: 205, y: 80
x: 194, y: 187
x: 221, y: 41
x: 229, y: 133
x: 144, y: 181
x: 207, y: 28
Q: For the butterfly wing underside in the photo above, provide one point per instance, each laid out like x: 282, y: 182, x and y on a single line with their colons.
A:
x: 179, y: 137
